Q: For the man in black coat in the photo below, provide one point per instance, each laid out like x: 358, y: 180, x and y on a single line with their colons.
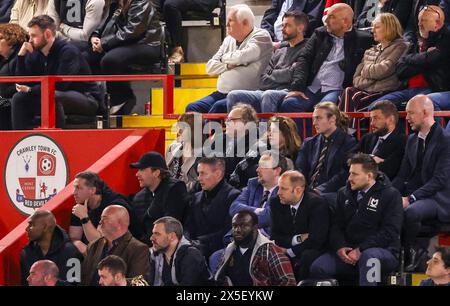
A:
x: 161, y: 195
x: 322, y: 158
x: 174, y: 261
x: 386, y: 144
x: 300, y: 221
x: 49, y: 241
x: 208, y: 220
x: 423, y: 179
x: 365, y: 230
x: 272, y: 19
x: 45, y: 54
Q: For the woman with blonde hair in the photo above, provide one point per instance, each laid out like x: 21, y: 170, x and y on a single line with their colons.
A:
x: 376, y: 74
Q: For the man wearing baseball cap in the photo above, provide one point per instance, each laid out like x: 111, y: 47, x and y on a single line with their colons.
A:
x: 161, y: 195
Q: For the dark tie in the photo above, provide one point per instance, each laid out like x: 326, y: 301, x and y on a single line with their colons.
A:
x: 360, y: 195
x: 376, y: 149
x: 320, y: 163
x: 420, y: 152
x: 264, y: 198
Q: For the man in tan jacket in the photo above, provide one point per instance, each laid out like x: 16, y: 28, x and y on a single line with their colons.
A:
x: 24, y: 10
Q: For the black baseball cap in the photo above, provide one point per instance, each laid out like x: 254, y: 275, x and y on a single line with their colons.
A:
x: 150, y: 159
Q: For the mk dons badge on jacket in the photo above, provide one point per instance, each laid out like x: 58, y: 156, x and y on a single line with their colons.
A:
x: 36, y: 170
x: 373, y: 204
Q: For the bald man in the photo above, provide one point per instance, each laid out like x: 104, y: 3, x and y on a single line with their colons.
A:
x: 43, y: 273
x: 48, y: 241
x: 426, y: 68
x: 327, y: 62
x: 116, y: 240
x: 423, y: 179
x: 300, y: 222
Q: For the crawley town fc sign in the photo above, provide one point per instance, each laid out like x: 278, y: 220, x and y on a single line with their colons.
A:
x: 36, y: 170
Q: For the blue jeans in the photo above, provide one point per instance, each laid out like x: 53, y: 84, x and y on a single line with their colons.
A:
x: 262, y: 101
x: 329, y: 265
x: 206, y: 104
x: 441, y: 100
x: 300, y: 105
x: 401, y: 97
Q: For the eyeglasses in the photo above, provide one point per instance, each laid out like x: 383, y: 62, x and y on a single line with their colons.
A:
x: 427, y: 7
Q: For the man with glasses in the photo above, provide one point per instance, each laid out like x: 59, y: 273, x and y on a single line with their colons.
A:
x: 426, y: 68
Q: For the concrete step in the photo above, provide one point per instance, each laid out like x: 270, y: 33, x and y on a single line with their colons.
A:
x: 182, y: 97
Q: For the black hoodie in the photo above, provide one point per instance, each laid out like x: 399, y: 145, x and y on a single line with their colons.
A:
x: 373, y: 223
x: 60, y: 252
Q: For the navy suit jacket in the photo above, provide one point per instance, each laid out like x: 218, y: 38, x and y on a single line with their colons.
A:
x: 250, y: 198
x: 336, y: 164
x: 435, y: 171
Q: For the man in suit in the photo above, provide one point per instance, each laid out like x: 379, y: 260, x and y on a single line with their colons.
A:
x: 322, y: 158
x: 208, y: 220
x: 365, y: 228
x: 255, y: 197
x: 386, y: 144
x: 161, y: 195
x: 423, y: 179
x: 300, y: 221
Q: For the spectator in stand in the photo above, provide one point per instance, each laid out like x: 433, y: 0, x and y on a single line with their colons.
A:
x: 272, y: 20
x: 130, y: 35
x: 423, y: 177
x: 411, y: 30
x: 92, y: 196
x: 45, y: 54
x: 438, y: 268
x: 47, y: 240
x: 426, y: 68
x: 252, y: 259
x: 365, y: 227
x: 161, y: 195
x: 240, y: 61
x: 375, y: 75
x: 44, y: 273
x: 116, y: 240
x: 182, y: 155
x: 208, y: 220
x: 372, y: 8
x: 327, y: 62
x: 278, y: 74
x: 76, y: 20
x: 173, y: 11
x: 386, y: 143
x: 112, y: 271
x: 5, y: 10
x: 24, y: 10
x: 12, y: 36
x: 322, y: 158
x: 283, y: 136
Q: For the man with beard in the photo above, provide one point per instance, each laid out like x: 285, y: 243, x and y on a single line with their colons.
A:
x: 252, y: 259
x: 44, y: 54
x: 423, y: 179
x: 174, y: 260
x: 386, y: 144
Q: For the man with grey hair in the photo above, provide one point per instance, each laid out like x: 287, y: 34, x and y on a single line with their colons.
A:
x: 423, y: 176
x: 174, y: 260
x: 239, y: 62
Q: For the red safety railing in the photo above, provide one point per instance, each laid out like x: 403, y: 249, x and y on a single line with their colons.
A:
x: 48, y: 119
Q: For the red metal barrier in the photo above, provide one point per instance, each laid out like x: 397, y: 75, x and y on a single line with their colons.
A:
x: 106, y: 152
x: 48, y: 118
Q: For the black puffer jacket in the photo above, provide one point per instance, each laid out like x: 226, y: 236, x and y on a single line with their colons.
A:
x: 316, y: 51
x: 137, y: 25
x: 374, y: 222
x: 433, y: 64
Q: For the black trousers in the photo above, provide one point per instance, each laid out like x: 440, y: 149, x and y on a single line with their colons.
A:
x: 173, y: 11
x: 118, y: 61
x: 303, y: 263
x: 26, y: 106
